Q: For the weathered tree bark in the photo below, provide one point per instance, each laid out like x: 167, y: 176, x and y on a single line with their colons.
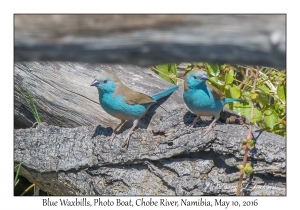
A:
x: 166, y: 159
x: 64, y: 97
x: 169, y: 160
x: 152, y: 39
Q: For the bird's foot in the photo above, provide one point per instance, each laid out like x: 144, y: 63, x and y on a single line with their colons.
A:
x: 207, y: 130
x: 191, y: 126
x: 212, y: 124
x: 113, y: 135
x: 125, y: 142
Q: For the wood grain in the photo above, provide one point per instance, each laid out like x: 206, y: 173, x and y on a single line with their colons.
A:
x: 64, y: 97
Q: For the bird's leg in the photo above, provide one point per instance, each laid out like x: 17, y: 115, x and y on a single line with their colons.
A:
x: 135, y: 122
x: 210, y: 126
x: 194, y: 122
x: 113, y: 135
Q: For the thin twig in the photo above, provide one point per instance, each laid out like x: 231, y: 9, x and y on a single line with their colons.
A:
x: 249, y: 136
x: 28, y: 188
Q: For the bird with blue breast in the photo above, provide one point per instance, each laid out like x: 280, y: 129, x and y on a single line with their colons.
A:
x: 203, y: 99
x: 124, y: 103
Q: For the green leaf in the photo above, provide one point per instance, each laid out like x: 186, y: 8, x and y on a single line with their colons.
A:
x: 216, y: 81
x: 190, y: 67
x: 248, y: 172
x: 248, y: 169
x: 231, y: 71
x: 245, y: 109
x: 270, y: 117
x: 262, y: 98
x: 281, y: 90
x: 228, y: 78
x: 227, y: 92
x: 33, y: 108
x: 212, y: 69
x: 223, y: 66
x: 235, y: 91
x: 250, y: 143
x: 263, y: 88
x: 240, y: 166
x: 170, y: 70
x: 16, y: 180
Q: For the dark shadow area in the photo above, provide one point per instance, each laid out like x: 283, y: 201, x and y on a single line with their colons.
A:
x: 25, y: 122
x: 226, y: 116
x: 272, y: 180
x: 152, y: 110
x: 95, y: 171
x: 202, y: 122
x: 255, y: 179
x: 23, y: 184
x: 254, y: 150
x: 207, y: 155
x: 102, y: 131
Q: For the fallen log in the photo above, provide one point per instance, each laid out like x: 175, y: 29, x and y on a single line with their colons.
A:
x: 169, y: 160
x: 64, y: 97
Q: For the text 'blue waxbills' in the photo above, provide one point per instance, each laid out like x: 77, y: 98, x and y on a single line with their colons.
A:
x: 67, y: 202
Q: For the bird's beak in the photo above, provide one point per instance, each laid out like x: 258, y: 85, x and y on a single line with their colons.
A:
x: 204, y: 77
x: 95, y: 83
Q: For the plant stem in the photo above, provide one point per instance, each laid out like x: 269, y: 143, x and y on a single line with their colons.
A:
x: 28, y: 188
x: 17, y: 174
x: 249, y: 136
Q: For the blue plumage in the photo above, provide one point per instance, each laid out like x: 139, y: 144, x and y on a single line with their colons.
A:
x: 117, y: 107
x: 164, y: 93
x: 203, y: 99
x: 124, y: 103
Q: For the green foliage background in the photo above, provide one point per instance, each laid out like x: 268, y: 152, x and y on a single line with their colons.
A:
x: 236, y: 81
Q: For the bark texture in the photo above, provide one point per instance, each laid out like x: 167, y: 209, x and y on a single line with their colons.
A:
x: 64, y: 97
x: 169, y: 160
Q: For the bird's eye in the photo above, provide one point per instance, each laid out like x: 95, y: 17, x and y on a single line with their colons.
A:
x: 195, y: 77
x: 105, y: 81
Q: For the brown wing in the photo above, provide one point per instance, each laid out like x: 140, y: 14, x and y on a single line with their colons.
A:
x: 218, y: 95
x: 132, y: 96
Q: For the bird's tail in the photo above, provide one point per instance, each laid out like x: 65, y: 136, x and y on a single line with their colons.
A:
x: 228, y: 100
x: 164, y: 93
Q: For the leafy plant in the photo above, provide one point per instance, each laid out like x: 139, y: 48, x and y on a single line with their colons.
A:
x: 236, y: 81
x: 264, y: 93
x: 166, y: 71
